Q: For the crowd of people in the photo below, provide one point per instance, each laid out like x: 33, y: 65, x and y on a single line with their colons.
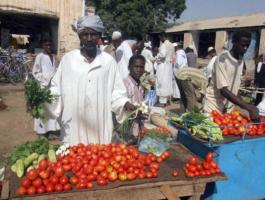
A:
x: 96, y: 86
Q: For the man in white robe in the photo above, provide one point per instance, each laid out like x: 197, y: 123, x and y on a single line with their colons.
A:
x: 164, y: 71
x: 89, y: 88
x: 43, y: 70
x: 148, y: 55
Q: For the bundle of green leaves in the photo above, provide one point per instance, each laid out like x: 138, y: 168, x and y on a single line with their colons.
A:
x: 36, y: 95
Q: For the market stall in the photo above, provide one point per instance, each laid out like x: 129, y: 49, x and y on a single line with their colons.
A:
x: 168, y: 180
x: 238, y: 154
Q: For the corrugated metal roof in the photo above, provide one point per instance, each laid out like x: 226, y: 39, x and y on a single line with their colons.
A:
x: 257, y: 19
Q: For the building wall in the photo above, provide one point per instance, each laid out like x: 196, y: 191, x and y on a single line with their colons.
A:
x: 262, y: 41
x: 220, y: 41
x: 65, y: 10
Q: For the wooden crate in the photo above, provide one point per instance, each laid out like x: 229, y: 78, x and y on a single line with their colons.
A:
x: 165, y: 186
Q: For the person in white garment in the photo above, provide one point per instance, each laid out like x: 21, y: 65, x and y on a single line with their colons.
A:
x: 89, y: 88
x: 164, y: 71
x: 181, y: 58
x: 43, y: 70
x: 209, y: 69
x: 148, y: 55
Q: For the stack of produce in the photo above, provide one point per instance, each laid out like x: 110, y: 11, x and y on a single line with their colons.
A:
x: 235, y: 124
x: 28, y: 155
x: 207, y: 168
x: 199, y: 125
x: 78, y: 167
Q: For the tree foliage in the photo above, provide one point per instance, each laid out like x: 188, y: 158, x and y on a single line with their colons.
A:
x: 137, y: 16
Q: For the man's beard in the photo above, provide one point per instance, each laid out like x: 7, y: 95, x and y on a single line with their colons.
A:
x: 89, y: 48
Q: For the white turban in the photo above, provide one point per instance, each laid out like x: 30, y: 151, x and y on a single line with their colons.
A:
x: 116, y: 35
x: 148, y: 44
x: 94, y: 22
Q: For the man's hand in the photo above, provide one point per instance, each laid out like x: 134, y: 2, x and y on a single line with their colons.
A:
x: 253, y: 113
x: 129, y: 107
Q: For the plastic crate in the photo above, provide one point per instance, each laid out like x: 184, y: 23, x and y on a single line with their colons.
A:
x: 243, y: 163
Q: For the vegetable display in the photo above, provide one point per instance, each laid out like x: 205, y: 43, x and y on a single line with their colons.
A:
x: 36, y: 95
x: 28, y: 155
x: 235, y: 124
x: 207, y: 167
x: 86, y: 165
x: 200, y: 125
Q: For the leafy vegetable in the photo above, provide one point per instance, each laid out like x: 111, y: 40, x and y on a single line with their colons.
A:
x: 36, y: 95
x: 39, y: 146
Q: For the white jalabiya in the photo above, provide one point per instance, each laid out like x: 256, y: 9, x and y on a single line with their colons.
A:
x: 164, y: 71
x: 43, y: 70
x: 181, y: 59
x: 89, y: 92
x: 123, y: 55
x: 149, y: 60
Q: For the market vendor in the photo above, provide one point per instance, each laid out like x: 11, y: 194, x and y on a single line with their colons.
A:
x: 89, y: 88
x: 222, y: 92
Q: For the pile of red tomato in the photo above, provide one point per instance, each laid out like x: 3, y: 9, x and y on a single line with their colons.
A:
x: 235, y: 124
x: 207, y: 168
x: 89, y: 164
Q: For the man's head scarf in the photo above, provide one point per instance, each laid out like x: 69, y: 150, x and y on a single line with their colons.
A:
x: 148, y: 44
x: 94, y: 22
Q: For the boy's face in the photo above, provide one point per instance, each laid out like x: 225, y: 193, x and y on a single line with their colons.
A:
x: 47, y: 46
x: 137, y: 69
x: 242, y: 45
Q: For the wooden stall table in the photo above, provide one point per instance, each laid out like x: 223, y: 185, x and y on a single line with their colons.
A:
x: 164, y: 187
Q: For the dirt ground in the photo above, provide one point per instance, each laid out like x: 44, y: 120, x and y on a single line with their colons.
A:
x: 16, y: 125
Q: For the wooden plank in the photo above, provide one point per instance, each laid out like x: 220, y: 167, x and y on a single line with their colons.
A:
x: 169, y: 194
x: 5, y: 190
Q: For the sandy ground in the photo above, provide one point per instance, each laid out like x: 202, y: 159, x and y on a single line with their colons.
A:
x: 16, y: 125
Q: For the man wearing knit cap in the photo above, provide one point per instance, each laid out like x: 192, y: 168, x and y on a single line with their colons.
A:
x: 89, y: 89
x: 116, y: 41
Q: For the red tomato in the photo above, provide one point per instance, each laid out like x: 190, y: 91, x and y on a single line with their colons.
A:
x: 67, y: 187
x: 44, y: 174
x: 213, y: 165
x: 32, y: 174
x: 73, y: 180
x: 31, y: 190
x: 159, y: 159
x: 37, y: 182
x: 193, y: 160
x: 41, y: 190
x: 149, y: 174
x: 154, y: 165
x: 192, y: 168
x: 113, y: 176
x: 99, y: 168
x: 209, y: 157
x: 43, y: 164
x: 67, y: 167
x: 206, y: 165
x: 131, y: 176
x: 199, y: 167
x: 45, y: 182
x: 80, y: 186
x: 49, y: 188
x: 63, y: 180
x: 21, y: 190
x: 102, y: 182
x: 58, y: 187
x: 122, y: 176
x: 25, y: 182
x: 54, y: 180
x: 154, y: 174
x: 91, y: 177
x: 59, y: 171
x: 104, y: 174
x: 142, y: 175
x: 175, y: 173
x: 89, y: 185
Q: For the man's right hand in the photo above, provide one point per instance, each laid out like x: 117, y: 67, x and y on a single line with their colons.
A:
x: 253, y: 113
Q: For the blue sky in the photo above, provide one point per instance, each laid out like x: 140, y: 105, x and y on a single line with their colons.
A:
x: 206, y: 9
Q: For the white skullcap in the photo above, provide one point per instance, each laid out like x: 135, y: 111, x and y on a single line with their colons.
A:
x: 116, y: 35
x: 175, y: 44
x: 94, y: 22
x: 210, y: 49
x: 148, y: 44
